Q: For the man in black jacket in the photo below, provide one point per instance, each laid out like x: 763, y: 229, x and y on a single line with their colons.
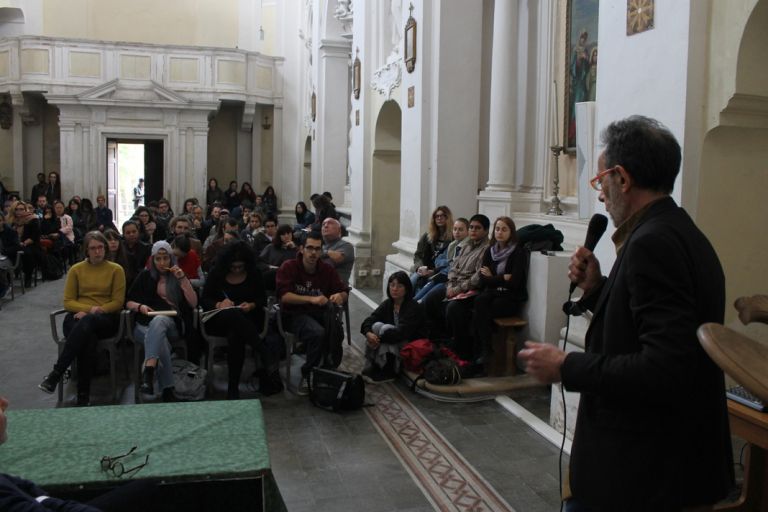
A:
x: 652, y: 429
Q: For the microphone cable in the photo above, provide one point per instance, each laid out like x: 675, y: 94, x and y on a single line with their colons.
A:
x: 565, y: 409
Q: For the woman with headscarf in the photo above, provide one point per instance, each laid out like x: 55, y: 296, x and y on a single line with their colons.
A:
x: 162, y: 288
x: 397, y: 320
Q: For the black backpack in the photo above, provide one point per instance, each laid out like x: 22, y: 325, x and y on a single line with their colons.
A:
x: 51, y: 268
x: 336, y: 390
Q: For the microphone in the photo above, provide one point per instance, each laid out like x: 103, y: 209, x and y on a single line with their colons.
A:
x: 597, y: 225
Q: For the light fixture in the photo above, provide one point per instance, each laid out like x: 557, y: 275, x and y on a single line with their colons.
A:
x: 356, y: 75
x: 409, y: 54
x: 266, y: 124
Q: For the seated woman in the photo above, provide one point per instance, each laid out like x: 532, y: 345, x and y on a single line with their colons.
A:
x: 50, y: 238
x: 436, y: 282
x: 398, y: 320
x: 67, y: 230
x: 163, y: 287
x: 304, y: 217
x: 28, y: 228
x: 282, y: 248
x: 137, y: 251
x: 503, y: 278
x: 93, y: 296
x: 235, y: 287
x: 431, y: 244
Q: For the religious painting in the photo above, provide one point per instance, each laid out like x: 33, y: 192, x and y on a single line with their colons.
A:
x: 580, y: 62
x: 639, y: 16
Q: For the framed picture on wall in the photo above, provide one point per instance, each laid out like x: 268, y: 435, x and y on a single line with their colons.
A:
x: 580, y: 62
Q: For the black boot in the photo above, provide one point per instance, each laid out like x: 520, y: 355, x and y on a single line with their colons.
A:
x: 50, y: 381
x: 169, y: 396
x: 148, y: 380
x: 233, y: 391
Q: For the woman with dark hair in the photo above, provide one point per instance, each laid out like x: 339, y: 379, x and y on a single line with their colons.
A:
x: 235, y: 287
x: 397, y: 320
x: 28, y: 228
x: 148, y: 227
x: 323, y: 209
x: 232, y: 196
x: 431, y: 245
x: 270, y: 201
x: 104, y: 215
x: 116, y: 254
x: 503, y: 278
x: 213, y: 194
x: 73, y: 210
x: 247, y: 193
x: 93, y: 296
x: 163, y: 287
x: 189, y: 206
x: 88, y: 214
x: 137, y: 251
x: 281, y: 249
x: 304, y: 217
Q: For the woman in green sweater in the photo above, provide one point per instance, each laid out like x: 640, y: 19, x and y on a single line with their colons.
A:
x: 93, y: 296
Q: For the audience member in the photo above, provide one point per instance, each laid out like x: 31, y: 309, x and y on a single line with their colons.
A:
x: 93, y: 296
x: 304, y: 217
x: 235, y: 288
x: 276, y: 253
x: 138, y: 252
x: 503, y: 279
x: 232, y: 196
x: 436, y: 282
x: 53, y: 188
x: 270, y: 201
x: 247, y: 193
x: 138, y: 194
x: 9, y: 247
x: 164, y: 214
x: 397, y: 320
x: 188, y: 260
x: 39, y: 188
x: 213, y: 194
x: 40, y: 204
x: 182, y: 225
x: 87, y: 214
x: 27, y: 226
x: 431, y: 244
x: 162, y: 287
x: 323, y: 210
x: 338, y: 253
x: 305, y: 286
x: 104, y: 215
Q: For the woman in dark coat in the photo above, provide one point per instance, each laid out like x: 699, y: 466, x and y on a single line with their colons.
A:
x: 503, y: 277
x: 270, y: 201
x: 397, y: 320
x: 214, y: 193
x: 235, y: 287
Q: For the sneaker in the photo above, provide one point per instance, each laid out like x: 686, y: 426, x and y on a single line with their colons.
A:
x: 148, y: 380
x: 50, y: 382
x: 303, y: 389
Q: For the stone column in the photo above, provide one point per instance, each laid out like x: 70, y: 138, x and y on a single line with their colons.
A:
x: 17, y: 131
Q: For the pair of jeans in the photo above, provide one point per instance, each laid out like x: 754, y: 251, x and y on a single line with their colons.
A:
x: 81, y: 339
x: 310, y: 330
x: 155, y: 338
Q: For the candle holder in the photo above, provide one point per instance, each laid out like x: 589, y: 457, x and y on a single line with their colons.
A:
x: 555, y: 209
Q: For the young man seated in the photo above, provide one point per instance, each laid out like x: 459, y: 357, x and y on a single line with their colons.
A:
x: 305, y: 286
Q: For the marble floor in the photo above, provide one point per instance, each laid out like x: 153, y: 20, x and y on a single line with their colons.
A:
x: 405, y: 452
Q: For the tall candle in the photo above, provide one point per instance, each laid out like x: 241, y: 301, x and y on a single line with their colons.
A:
x: 554, y: 113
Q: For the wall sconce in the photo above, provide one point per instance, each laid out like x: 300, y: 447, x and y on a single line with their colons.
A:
x: 265, y: 124
x: 356, y: 75
x: 409, y: 54
x: 313, y: 106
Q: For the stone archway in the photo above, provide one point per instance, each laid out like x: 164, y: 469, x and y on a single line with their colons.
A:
x: 386, y: 176
x: 733, y: 179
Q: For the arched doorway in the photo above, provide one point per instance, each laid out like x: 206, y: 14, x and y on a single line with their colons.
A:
x: 385, y: 169
x: 733, y: 180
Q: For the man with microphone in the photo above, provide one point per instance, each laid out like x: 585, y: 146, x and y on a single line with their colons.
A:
x: 652, y: 429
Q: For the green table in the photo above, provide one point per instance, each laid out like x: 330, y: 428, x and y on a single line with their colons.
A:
x: 195, y: 442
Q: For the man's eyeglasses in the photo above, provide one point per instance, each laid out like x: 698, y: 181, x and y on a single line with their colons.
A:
x: 116, y: 468
x: 310, y: 248
x: 597, y: 181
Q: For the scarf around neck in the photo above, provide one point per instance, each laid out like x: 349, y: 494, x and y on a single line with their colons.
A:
x: 500, y: 256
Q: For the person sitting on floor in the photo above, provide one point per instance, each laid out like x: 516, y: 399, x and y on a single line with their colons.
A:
x: 235, y: 287
x: 164, y: 287
x: 93, y: 297
x: 305, y: 286
x: 397, y: 321
x: 503, y: 278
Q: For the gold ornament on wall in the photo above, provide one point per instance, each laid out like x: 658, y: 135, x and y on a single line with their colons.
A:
x: 356, y: 75
x: 313, y: 106
x: 639, y: 16
x: 409, y: 54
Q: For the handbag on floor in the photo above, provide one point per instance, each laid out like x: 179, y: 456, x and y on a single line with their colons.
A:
x: 188, y: 380
x: 336, y: 390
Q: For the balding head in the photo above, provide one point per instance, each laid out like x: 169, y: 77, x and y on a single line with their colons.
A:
x: 331, y: 229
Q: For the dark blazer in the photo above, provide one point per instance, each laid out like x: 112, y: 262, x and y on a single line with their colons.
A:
x: 652, y: 431
x: 412, y: 324
x: 517, y: 266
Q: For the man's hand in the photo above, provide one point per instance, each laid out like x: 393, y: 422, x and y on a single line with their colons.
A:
x: 584, y: 270
x: 338, y: 299
x: 336, y: 256
x: 319, y: 300
x: 543, y: 361
x: 372, y: 340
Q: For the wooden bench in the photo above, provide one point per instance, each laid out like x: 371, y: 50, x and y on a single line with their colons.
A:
x: 504, y: 361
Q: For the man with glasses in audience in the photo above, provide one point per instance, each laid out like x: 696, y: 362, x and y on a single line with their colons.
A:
x: 305, y: 286
x: 652, y: 430
x: 338, y: 253
x: 182, y: 225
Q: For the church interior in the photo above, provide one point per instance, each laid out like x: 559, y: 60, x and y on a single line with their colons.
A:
x: 393, y: 108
